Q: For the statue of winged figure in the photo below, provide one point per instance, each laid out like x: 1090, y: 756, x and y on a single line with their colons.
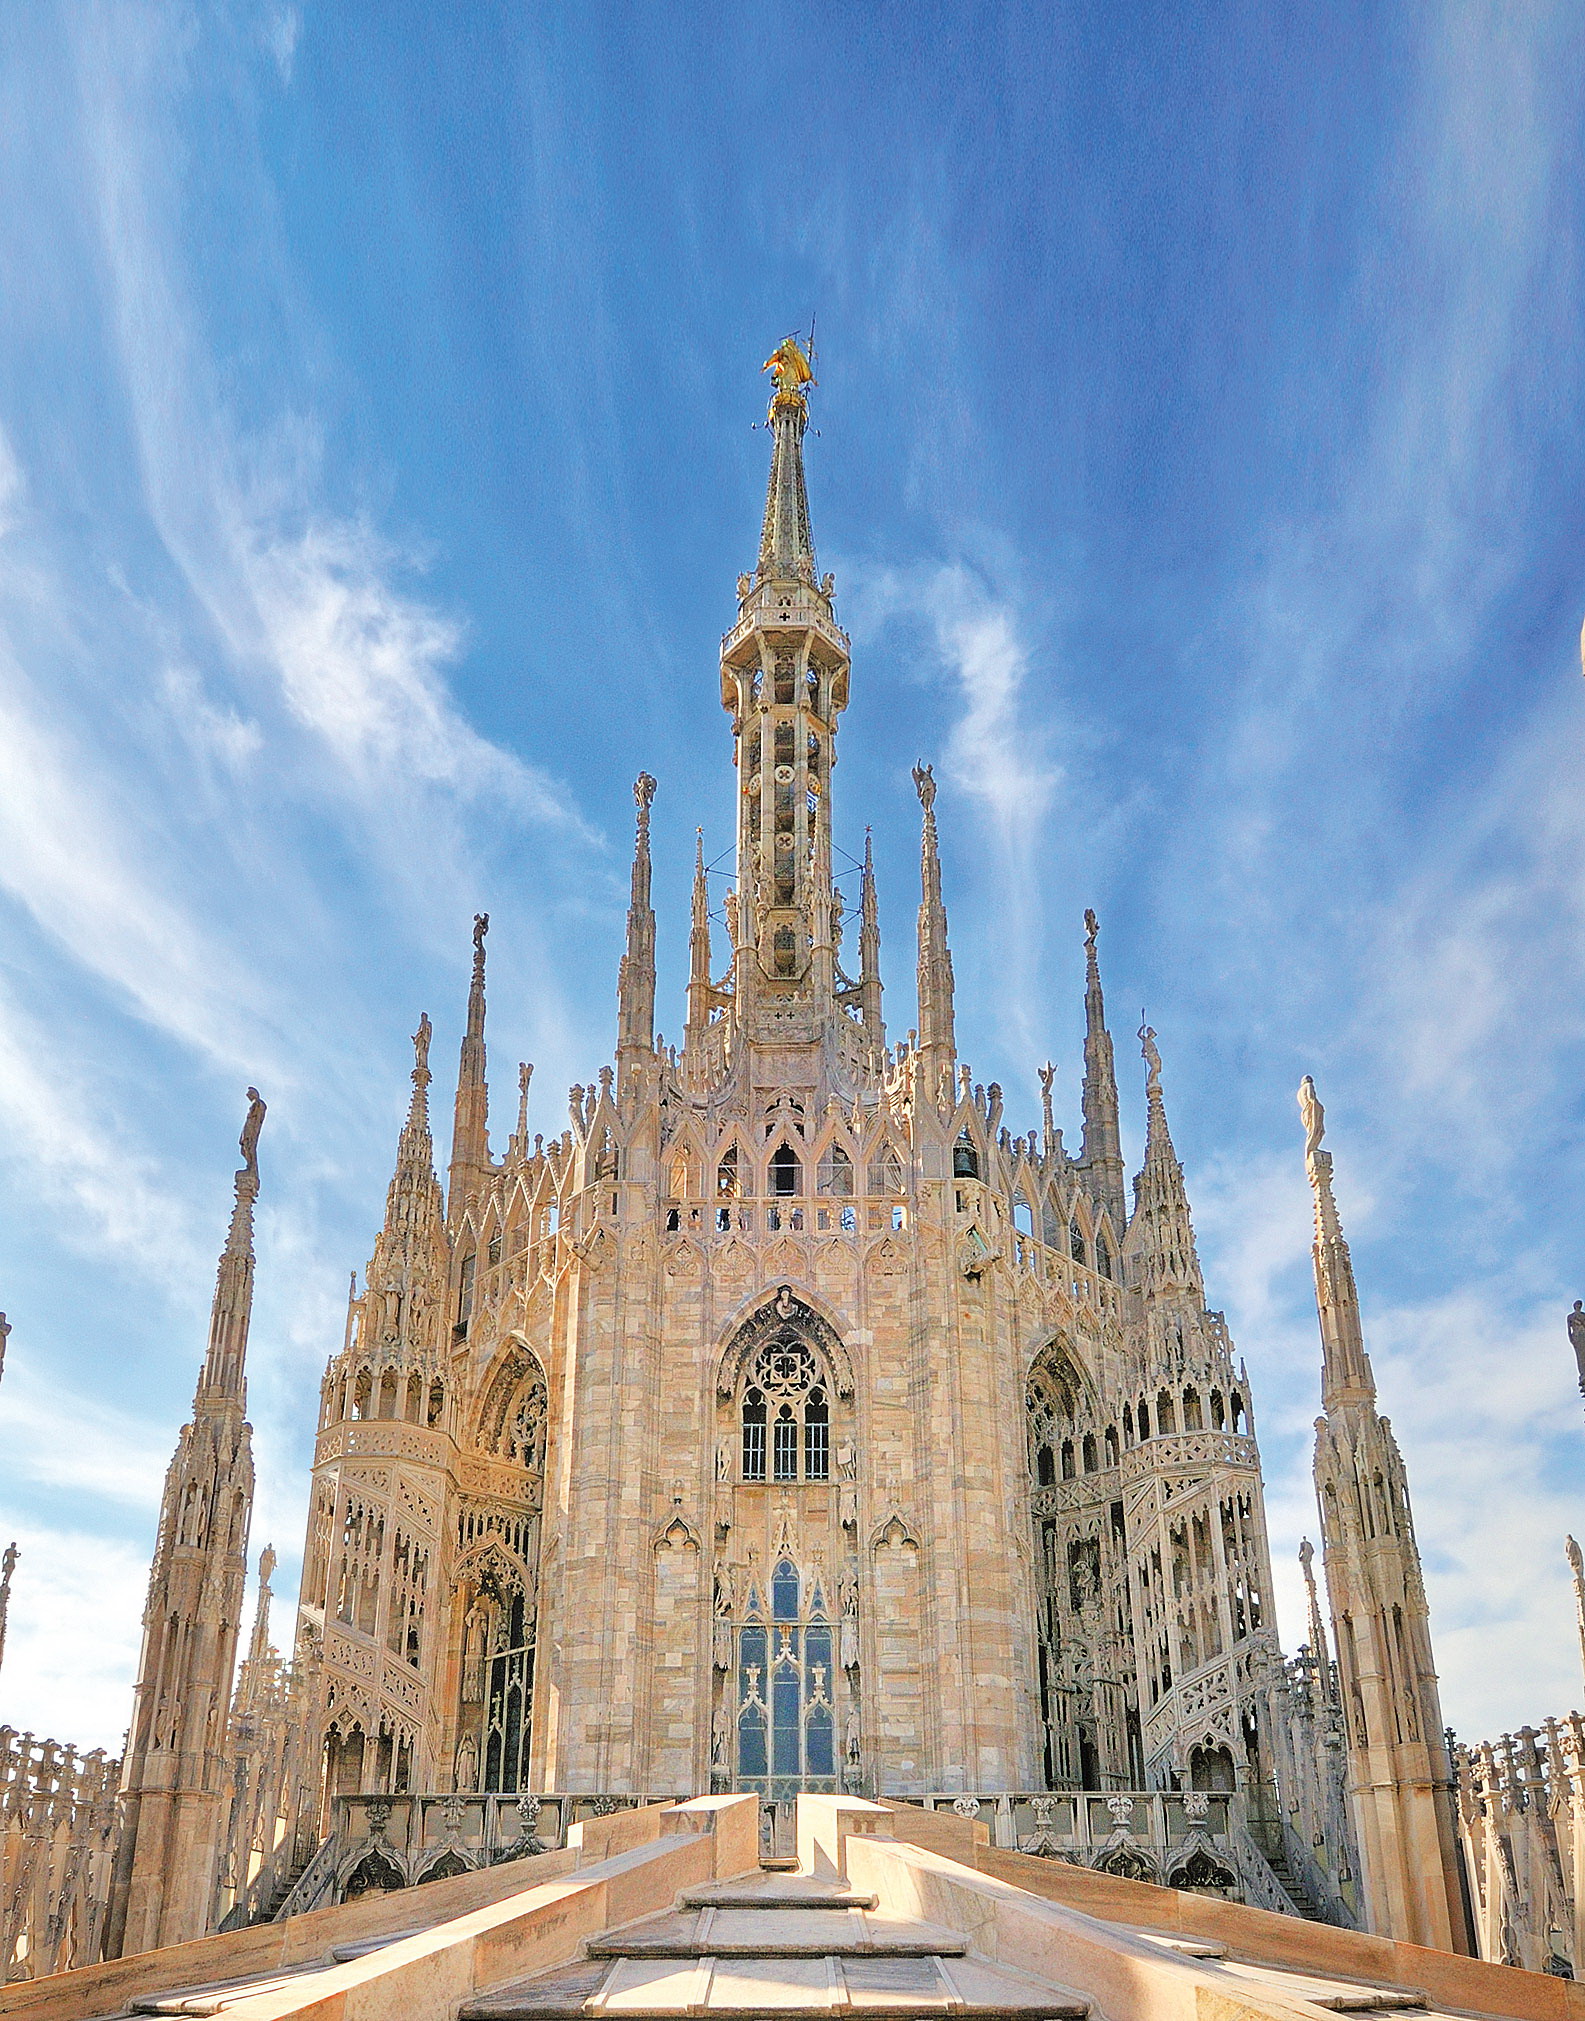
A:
x: 790, y: 369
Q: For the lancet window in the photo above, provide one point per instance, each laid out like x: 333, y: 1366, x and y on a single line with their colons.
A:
x: 836, y: 1173
x: 786, y: 1722
x: 886, y: 1171
x: 786, y: 1173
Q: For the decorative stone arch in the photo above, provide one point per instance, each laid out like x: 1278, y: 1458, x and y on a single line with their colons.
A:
x: 837, y: 1163
x: 783, y: 1311
x: 885, y: 1159
x: 1127, y: 1859
x: 490, y: 1558
x: 1058, y: 1380
x: 1198, y: 1867
x: 374, y: 1868
x: 514, y: 1400
x: 1212, y: 1764
x: 446, y: 1865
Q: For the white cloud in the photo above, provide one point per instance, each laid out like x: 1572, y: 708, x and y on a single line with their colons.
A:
x: 73, y: 1633
x: 102, y: 1188
x: 57, y: 1438
x: 997, y: 755
x: 282, y: 27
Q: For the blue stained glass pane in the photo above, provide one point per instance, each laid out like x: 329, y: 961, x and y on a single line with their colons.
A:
x: 751, y: 1655
x: 784, y: 1726
x: 784, y: 1592
x: 821, y: 1744
x: 751, y: 1743
x: 817, y: 1649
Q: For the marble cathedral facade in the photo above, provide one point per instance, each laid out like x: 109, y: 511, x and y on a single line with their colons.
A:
x: 787, y: 1422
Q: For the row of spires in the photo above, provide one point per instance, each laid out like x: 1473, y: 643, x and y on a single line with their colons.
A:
x: 1163, y: 1237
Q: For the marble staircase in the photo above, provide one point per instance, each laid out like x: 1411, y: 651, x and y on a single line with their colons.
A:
x: 781, y: 1944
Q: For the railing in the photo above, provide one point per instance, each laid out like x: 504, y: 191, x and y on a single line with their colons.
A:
x: 384, y: 1842
x: 1321, y: 1898
x: 1262, y: 1889
x: 792, y: 1214
x: 315, y: 1885
x: 1175, y: 1838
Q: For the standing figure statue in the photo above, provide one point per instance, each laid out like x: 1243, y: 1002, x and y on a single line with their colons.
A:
x: 1576, y: 1340
x: 248, y: 1142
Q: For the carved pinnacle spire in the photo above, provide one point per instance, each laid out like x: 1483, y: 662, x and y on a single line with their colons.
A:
x: 258, y: 1647
x: 1048, y: 1075
x: 232, y: 1308
x: 1346, y: 1376
x: 1101, y: 1153
x: 1160, y: 1241
x: 470, y: 1132
x: 8, y: 1565
x: 870, y: 951
x: 635, y: 985
x: 1318, y: 1648
x: 525, y: 1073
x: 937, y: 1043
x: 411, y: 1258
x: 699, y: 992
x: 786, y: 551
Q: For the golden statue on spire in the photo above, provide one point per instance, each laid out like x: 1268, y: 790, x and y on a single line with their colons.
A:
x: 792, y: 373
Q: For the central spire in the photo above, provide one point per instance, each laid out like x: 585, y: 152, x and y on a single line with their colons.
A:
x: 784, y: 679
x: 786, y: 552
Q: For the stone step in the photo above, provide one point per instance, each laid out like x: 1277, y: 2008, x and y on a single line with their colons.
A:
x: 896, y: 1988
x: 775, y: 1891
x: 776, y: 1933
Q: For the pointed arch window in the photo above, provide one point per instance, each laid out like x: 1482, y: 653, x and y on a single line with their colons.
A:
x: 886, y: 1171
x: 1103, y: 1256
x: 965, y: 1158
x: 786, y: 1730
x: 786, y: 1173
x: 1076, y: 1242
x: 787, y: 1414
x: 836, y: 1173
x: 727, y: 1182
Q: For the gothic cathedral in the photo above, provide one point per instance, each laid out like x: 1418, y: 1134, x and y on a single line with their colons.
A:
x: 787, y: 1422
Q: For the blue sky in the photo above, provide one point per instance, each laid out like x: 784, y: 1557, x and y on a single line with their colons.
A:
x: 1200, y: 428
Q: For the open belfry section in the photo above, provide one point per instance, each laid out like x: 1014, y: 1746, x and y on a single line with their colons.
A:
x: 670, y: 1911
